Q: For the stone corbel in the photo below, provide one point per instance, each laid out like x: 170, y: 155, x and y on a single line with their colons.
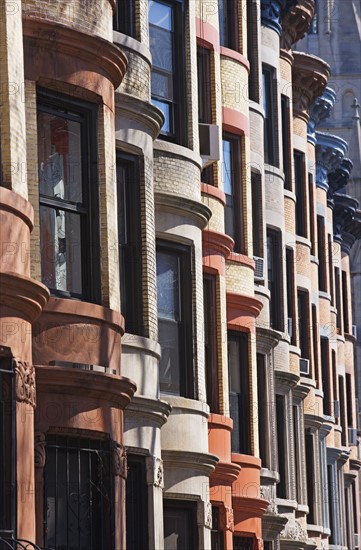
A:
x: 227, y: 519
x: 155, y: 471
x: 119, y: 460
x: 25, y: 390
x: 39, y: 450
x: 204, y: 514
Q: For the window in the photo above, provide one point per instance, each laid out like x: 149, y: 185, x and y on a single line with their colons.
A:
x: 68, y: 189
x: 180, y: 525
x: 346, y: 324
x: 263, y: 410
x: 228, y: 23
x: 210, y: 341
x: 239, y: 397
x: 314, y: 22
x: 136, y: 503
x: 216, y: 533
x: 298, y: 459
x: 242, y: 543
x: 290, y: 264
x: 315, y: 345
x: 124, y: 17
x: 338, y: 299
x: 166, y: 46
x: 281, y: 489
x: 204, y: 85
x: 300, y: 190
x: 257, y: 214
x: 232, y: 183
x: 311, y: 206
x: 310, y: 466
x: 286, y: 148
x: 343, y: 411
x: 129, y: 240
x: 349, y: 400
x: 275, y: 278
x: 321, y: 251
x: 332, y: 500
x: 269, y: 107
x: 7, y: 444
x: 330, y: 268
x: 252, y: 51
x: 325, y: 356
x: 303, y: 323
x: 174, y: 288
x: 78, y: 496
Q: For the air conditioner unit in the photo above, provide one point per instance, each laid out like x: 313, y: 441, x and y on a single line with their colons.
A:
x: 290, y: 326
x: 336, y: 409
x: 357, y: 540
x: 304, y: 366
x: 259, y: 268
x: 354, y: 331
x: 209, y: 140
x: 352, y: 437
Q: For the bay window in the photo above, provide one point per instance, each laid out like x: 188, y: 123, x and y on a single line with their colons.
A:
x: 68, y: 190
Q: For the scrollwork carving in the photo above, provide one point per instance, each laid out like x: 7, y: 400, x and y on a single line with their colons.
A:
x: 294, y: 531
x: 155, y: 472
x: 229, y: 519
x: 204, y: 514
x: 119, y: 460
x: 39, y: 450
x: 25, y: 389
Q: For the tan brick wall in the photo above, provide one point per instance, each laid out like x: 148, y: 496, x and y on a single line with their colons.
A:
x: 173, y: 173
x: 90, y: 16
x: 234, y: 85
x: 216, y: 223
x: 137, y: 78
x: 299, y: 127
x: 240, y: 278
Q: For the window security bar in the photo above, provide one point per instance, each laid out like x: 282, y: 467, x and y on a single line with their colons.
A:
x: 17, y: 544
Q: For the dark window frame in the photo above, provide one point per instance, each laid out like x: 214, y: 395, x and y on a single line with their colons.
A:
x: 129, y: 223
x: 190, y: 508
x: 217, y: 535
x: 228, y: 26
x: 264, y: 405
x: 211, y: 340
x: 84, y: 113
x: 311, y: 206
x: 303, y: 323
x: 270, y: 115
x: 275, y: 278
x: 137, y: 521
x: 252, y: 52
x: 257, y: 214
x: 204, y: 63
x: 178, y: 104
x: 184, y: 254
x: 299, y: 161
x: 234, y: 204
x: 338, y: 301
x: 310, y: 475
x: 321, y: 253
x: 326, y: 383
x: 124, y: 19
x: 290, y: 278
x: 345, y: 310
x: 286, y: 141
x: 282, y: 488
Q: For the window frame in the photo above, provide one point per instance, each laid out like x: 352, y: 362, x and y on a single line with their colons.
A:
x: 275, y: 283
x: 321, y: 254
x: 190, y: 508
x: 237, y: 191
x: 185, y: 255
x: 179, y: 111
x: 204, y: 64
x: 270, y: 144
x: 229, y: 32
x: 303, y: 301
x: 211, y: 340
x: 286, y: 141
x: 85, y: 113
x: 130, y: 263
x: 257, y: 214
x: 139, y: 461
x: 290, y: 280
x: 124, y: 19
x: 299, y: 161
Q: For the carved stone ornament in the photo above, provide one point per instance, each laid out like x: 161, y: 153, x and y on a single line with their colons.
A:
x: 229, y: 519
x: 260, y: 545
x: 25, y: 390
x: 204, y: 514
x: 39, y: 450
x: 294, y: 531
x: 155, y: 472
x: 267, y: 492
x: 119, y: 460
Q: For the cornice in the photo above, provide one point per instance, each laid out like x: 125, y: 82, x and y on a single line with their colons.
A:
x: 255, y: 507
x: 272, y: 525
x: 157, y: 410
x: 204, y: 462
x: 16, y: 204
x: 320, y: 110
x: 146, y: 113
x: 337, y: 180
x: 272, y: 12
x: 333, y: 454
x: 97, y: 51
x: 309, y: 79
x: 184, y: 206
x: 244, y: 304
x: 296, y: 23
x: 225, y: 472
x: 330, y: 151
x: 215, y: 242
x: 25, y: 296
x: 267, y: 339
x: 351, y: 232
x: 355, y: 464
x: 344, y: 210
x: 286, y: 378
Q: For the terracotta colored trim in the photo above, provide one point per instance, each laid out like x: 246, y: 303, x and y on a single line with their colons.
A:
x: 242, y: 259
x: 232, y: 54
x: 17, y: 205
x: 213, y: 192
x: 105, y: 387
x: 220, y: 421
x: 216, y: 248
x: 248, y: 507
x: 93, y: 312
x: 24, y: 295
x: 234, y: 122
x: 248, y: 461
x: 207, y: 35
x: 225, y: 473
x: 103, y: 56
x: 242, y: 311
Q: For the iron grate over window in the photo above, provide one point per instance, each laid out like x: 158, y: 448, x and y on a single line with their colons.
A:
x: 79, y: 498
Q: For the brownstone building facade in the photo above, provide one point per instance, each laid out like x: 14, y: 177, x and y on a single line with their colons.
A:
x: 176, y: 352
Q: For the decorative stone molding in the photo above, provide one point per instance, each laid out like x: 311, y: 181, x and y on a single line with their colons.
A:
x: 133, y: 108
x: 272, y: 11
x: 330, y: 151
x: 296, y: 23
x: 267, y: 339
x: 228, y: 519
x: 155, y: 471
x: 320, y: 110
x: 25, y: 390
x: 272, y: 525
x: 39, y: 450
x: 337, y: 180
x: 351, y: 232
x: 119, y: 460
x: 204, y: 514
x: 344, y: 210
x: 309, y: 78
x: 294, y: 531
x: 183, y: 206
x: 267, y: 492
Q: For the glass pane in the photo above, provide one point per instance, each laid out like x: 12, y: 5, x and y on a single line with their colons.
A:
x: 169, y: 366
x: 234, y: 365
x: 59, y: 149
x: 177, y: 530
x: 227, y: 167
x: 161, y: 48
x: 61, y: 250
x: 168, y: 286
x: 160, y: 15
x: 162, y: 84
x: 166, y: 109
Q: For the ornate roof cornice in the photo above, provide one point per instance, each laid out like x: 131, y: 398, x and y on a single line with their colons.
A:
x: 330, y: 151
x: 296, y: 22
x: 344, y: 211
x: 337, y: 180
x: 272, y: 12
x: 351, y: 232
x: 320, y: 110
x: 309, y: 79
